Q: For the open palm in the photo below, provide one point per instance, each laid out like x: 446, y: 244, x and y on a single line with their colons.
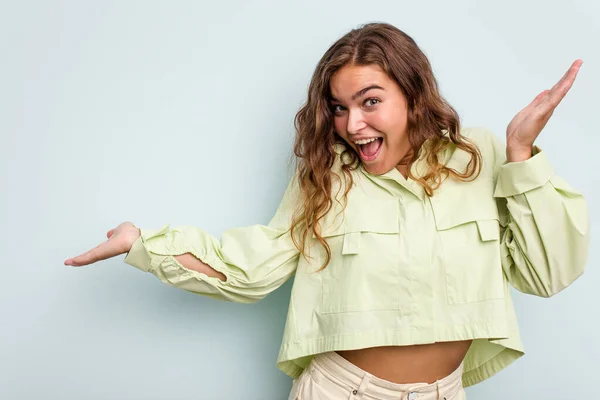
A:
x: 526, y: 126
x: 120, y: 240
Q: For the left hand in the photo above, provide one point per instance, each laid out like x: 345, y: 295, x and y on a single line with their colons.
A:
x: 526, y: 126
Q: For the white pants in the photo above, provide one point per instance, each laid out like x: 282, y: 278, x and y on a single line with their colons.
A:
x: 330, y: 376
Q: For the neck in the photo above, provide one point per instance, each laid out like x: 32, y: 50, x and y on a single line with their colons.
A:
x: 404, y: 163
x: 403, y: 170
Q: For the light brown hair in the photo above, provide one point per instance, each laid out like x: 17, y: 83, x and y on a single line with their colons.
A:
x: 430, y: 119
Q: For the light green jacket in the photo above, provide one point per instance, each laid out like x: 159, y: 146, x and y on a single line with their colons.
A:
x: 406, y: 268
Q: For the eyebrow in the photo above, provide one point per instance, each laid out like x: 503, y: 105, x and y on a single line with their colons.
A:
x: 361, y: 92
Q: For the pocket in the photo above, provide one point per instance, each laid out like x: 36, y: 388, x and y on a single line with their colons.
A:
x: 298, y: 386
x: 468, y: 228
x: 314, y: 385
x: 363, y: 272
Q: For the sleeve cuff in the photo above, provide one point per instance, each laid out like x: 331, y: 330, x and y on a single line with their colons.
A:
x: 520, y: 177
x: 139, y: 255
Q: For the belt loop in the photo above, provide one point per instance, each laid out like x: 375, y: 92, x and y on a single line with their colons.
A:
x: 358, y: 393
x: 439, y: 392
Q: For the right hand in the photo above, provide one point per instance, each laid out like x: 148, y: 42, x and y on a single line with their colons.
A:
x: 120, y: 240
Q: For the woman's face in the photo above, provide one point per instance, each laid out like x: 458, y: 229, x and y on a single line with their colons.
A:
x: 370, y: 114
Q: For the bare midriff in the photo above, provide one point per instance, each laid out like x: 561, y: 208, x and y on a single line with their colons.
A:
x: 410, y: 364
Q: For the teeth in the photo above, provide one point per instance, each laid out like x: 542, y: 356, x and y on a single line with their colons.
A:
x: 365, y: 141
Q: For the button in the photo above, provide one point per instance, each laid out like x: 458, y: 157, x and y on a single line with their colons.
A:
x: 412, y: 396
x: 355, y: 392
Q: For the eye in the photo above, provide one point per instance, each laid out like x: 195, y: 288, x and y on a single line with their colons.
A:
x: 337, y: 108
x: 370, y: 102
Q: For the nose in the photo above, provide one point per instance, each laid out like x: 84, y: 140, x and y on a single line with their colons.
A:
x: 356, y: 122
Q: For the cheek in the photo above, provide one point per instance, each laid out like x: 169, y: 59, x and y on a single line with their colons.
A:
x: 392, y: 123
x: 380, y: 121
x: 340, y: 126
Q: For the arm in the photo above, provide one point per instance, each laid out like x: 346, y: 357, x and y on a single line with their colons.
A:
x: 545, y: 224
x: 244, y: 265
x: 189, y: 261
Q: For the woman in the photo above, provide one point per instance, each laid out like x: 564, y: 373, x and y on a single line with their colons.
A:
x: 403, y: 231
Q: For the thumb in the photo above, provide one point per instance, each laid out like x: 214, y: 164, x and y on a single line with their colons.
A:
x: 538, y: 99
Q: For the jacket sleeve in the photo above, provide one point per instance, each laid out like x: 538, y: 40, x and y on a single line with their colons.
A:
x: 255, y: 260
x: 544, y: 222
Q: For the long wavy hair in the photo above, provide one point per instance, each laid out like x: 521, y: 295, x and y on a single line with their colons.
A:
x: 430, y: 119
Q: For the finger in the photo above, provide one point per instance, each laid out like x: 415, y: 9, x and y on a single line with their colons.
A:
x: 533, y: 105
x: 569, y: 75
x: 539, y: 98
x: 524, y: 113
x: 561, y: 88
x: 516, y: 121
x: 110, y: 233
x: 100, y: 252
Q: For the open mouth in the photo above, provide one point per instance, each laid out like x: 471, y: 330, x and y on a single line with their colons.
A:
x: 370, y: 151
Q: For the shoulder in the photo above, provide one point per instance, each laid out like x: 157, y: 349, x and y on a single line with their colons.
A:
x: 484, y: 138
x: 490, y: 146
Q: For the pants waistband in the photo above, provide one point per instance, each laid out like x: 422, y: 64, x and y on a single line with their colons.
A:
x: 344, y: 373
